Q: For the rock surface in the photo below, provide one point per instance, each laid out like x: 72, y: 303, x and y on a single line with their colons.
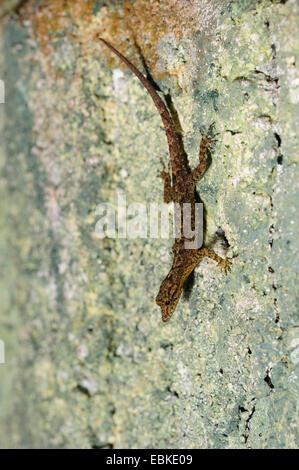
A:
x: 88, y: 362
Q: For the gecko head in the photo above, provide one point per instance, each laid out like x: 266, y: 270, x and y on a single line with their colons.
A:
x: 167, y: 299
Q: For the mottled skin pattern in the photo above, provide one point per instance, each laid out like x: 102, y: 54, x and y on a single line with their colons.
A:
x: 179, y: 187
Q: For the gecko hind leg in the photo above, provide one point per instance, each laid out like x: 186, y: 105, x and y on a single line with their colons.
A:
x: 205, y: 145
x: 165, y: 175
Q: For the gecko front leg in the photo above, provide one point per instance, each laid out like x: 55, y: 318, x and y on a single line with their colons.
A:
x: 224, y: 264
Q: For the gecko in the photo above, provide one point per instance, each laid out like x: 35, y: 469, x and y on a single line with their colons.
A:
x: 179, y: 186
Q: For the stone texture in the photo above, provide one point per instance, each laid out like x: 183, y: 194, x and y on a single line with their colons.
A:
x: 88, y: 361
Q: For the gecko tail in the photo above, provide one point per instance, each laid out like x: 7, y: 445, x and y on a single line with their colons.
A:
x: 172, y: 138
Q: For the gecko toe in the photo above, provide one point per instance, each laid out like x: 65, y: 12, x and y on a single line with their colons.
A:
x: 225, y: 265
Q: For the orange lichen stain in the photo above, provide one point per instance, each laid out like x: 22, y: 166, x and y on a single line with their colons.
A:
x: 146, y: 22
x: 133, y: 27
x: 56, y: 19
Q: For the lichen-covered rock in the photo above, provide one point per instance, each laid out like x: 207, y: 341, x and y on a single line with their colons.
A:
x: 88, y: 362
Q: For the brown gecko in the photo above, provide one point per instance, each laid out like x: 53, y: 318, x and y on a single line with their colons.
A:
x: 179, y: 187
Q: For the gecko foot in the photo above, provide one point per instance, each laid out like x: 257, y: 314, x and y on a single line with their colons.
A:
x: 207, y: 140
x: 208, y: 131
x: 225, y: 265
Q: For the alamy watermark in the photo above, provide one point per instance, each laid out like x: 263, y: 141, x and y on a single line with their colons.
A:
x: 2, y: 352
x: 138, y: 220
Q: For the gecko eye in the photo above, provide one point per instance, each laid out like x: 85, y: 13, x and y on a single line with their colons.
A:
x: 167, y: 302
